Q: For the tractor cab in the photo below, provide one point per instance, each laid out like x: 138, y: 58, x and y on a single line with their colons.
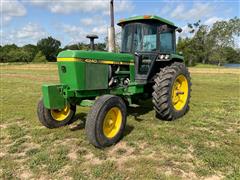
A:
x: 150, y: 39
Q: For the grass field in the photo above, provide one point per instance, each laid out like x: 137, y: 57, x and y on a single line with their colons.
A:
x: 203, y: 144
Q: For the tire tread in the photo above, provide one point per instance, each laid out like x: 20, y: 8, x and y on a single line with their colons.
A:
x: 162, y: 91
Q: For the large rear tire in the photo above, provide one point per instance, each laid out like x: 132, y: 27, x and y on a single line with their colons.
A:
x: 54, y: 118
x: 106, y: 121
x: 172, y: 90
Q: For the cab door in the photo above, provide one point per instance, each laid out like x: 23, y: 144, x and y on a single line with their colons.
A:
x: 145, y: 47
x: 144, y: 62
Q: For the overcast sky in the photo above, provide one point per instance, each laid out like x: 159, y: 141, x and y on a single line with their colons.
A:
x: 27, y: 21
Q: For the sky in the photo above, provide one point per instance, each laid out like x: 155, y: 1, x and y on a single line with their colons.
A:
x: 27, y: 21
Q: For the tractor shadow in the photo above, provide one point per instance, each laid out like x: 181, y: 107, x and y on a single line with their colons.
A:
x: 81, y: 125
x: 128, y: 129
x: 143, y: 108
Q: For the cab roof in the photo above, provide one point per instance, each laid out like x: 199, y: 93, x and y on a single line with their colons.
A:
x: 144, y: 18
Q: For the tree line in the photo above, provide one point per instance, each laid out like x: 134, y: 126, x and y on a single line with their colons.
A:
x: 214, y: 44
x: 207, y: 44
x: 46, y: 50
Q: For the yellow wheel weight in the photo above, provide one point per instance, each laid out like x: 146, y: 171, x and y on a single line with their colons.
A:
x: 112, y: 122
x: 61, y: 114
x: 180, y: 92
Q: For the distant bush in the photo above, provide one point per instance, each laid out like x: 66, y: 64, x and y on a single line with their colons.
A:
x: 49, y: 47
x: 13, y: 53
x: 39, y: 58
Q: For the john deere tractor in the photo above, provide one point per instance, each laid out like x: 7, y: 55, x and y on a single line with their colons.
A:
x: 148, y: 66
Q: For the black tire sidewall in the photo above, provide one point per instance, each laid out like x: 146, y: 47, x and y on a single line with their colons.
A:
x: 111, y: 103
x: 102, y: 105
x: 45, y: 116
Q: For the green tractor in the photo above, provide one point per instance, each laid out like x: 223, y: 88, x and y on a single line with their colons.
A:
x: 147, y: 67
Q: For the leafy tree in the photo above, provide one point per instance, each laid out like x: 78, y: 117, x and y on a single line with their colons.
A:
x: 222, y: 34
x: 218, y: 58
x: 18, y: 55
x: 39, y: 58
x: 32, y: 50
x: 185, y: 46
x: 78, y: 46
x: 24, y: 56
x: 4, y: 54
x: 200, y: 42
x: 211, y: 44
x: 72, y: 47
x: 49, y: 47
x: 84, y: 46
x: 100, y: 46
x: 10, y: 47
x: 194, y: 27
x: 232, y: 55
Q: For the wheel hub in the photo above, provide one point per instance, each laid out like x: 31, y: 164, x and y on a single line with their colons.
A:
x: 61, y: 114
x: 112, y: 122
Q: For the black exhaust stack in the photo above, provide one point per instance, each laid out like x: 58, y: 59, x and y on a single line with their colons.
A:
x: 111, y: 29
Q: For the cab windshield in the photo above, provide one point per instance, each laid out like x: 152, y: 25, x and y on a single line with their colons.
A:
x: 139, y: 37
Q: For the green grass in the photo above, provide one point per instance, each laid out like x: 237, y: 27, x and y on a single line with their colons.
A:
x: 207, y: 66
x: 204, y: 143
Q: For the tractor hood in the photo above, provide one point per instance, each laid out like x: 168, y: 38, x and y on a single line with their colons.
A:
x: 95, y: 55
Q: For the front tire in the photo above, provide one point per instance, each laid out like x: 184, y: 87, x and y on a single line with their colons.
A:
x: 171, y: 93
x: 106, y: 121
x: 51, y: 118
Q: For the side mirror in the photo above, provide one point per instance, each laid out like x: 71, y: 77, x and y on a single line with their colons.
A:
x: 179, y: 29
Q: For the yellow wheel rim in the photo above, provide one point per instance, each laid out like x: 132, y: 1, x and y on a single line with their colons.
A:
x: 180, y: 92
x: 60, y: 114
x: 112, y: 122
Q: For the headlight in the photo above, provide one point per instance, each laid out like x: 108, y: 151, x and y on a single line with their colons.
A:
x: 164, y: 56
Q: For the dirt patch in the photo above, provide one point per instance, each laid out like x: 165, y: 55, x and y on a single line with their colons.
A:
x: 214, y: 177
x: 43, y: 177
x: 189, y: 175
x: 3, y: 126
x: 189, y: 155
x: 121, y: 153
x: 67, y: 142
x: 25, y: 174
x: 2, y: 154
x: 169, y: 171
x: 62, y: 173
x: 73, y: 155
x: 31, y: 145
x: 211, y: 144
x: 90, y: 157
x: 121, y: 149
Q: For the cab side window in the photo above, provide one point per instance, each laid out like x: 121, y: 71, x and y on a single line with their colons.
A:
x: 166, y: 39
x: 166, y: 42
